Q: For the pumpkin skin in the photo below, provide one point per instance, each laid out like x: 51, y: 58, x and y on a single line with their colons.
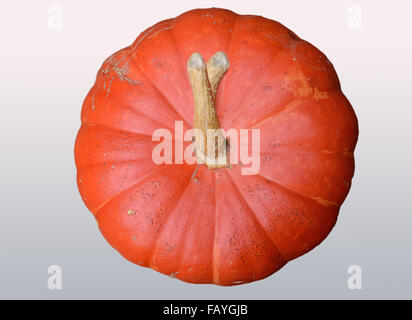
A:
x: 217, y: 226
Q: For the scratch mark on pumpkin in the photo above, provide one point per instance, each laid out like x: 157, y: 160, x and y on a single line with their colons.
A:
x: 324, y: 202
x: 108, y: 87
x: 122, y: 74
x: 163, y: 29
x: 345, y: 153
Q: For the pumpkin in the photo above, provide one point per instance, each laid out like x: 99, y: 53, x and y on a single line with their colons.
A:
x: 200, y: 223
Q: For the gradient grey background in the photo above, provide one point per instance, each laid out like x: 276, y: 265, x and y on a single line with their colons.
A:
x: 45, y: 75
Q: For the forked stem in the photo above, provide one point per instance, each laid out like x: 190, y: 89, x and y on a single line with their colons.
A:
x: 209, y: 140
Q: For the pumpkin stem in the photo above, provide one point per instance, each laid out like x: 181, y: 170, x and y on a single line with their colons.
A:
x: 210, y: 143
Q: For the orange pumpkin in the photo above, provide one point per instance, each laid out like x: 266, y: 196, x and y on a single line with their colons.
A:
x: 205, y: 224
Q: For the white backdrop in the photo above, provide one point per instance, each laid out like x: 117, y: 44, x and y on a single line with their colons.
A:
x: 48, y: 66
